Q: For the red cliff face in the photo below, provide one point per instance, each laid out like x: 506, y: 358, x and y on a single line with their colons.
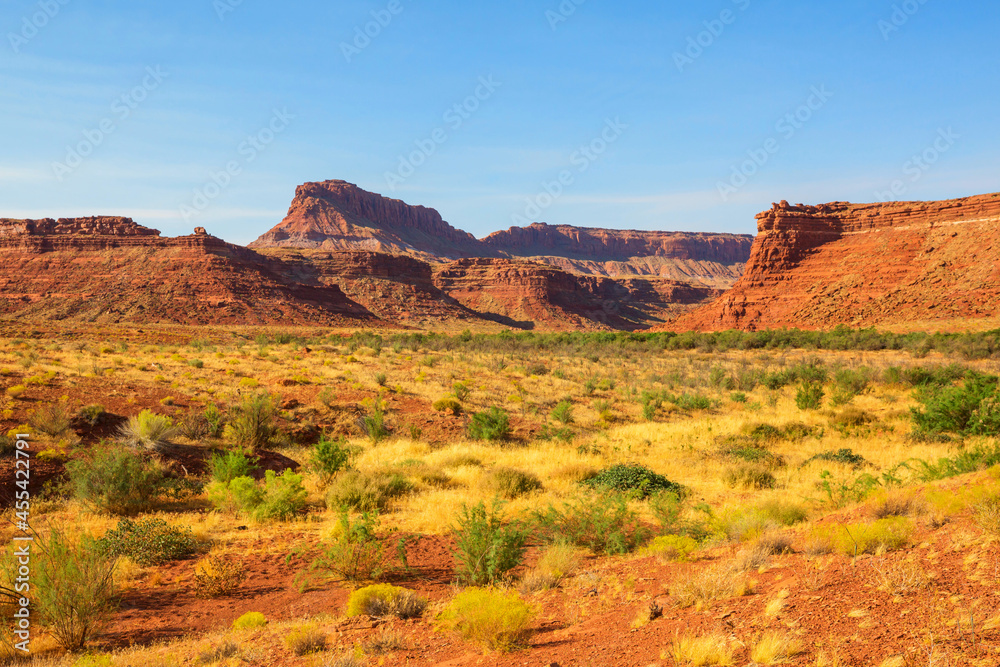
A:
x: 540, y: 239
x: 865, y: 265
x: 339, y: 216
x: 526, y: 294
x: 336, y: 215
x: 111, y: 270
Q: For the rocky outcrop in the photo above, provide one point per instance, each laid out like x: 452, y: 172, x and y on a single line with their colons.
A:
x: 339, y: 216
x: 863, y: 265
x: 111, y: 270
x: 527, y: 295
x: 396, y: 288
x: 336, y: 215
x: 714, y: 260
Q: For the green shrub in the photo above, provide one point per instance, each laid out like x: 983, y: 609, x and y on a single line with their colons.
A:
x: 148, y: 541
x: 374, y: 424
x: 215, y: 419
x: 385, y: 601
x: 461, y: 390
x: 632, y: 478
x: 602, y: 523
x: 843, y: 491
x: 669, y: 508
x: 366, y: 492
x: 487, y: 548
x: 510, y: 483
x: 809, y: 396
x: 284, y: 497
x: 329, y: 457
x: 969, y: 409
x: 844, y: 456
x: 251, y: 423
x: 230, y: 465
x: 969, y: 459
x: 448, y: 404
x: 147, y: 430
x: 492, y: 425
x: 356, y: 553
x: 497, y: 620
x: 563, y: 412
x: 250, y: 621
x: 750, y: 476
x: 72, y: 587
x: 118, y: 481
x: 241, y: 495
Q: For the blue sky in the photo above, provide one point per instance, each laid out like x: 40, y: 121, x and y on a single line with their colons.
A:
x: 627, y: 114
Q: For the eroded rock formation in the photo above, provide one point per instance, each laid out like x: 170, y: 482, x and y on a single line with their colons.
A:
x: 864, y: 265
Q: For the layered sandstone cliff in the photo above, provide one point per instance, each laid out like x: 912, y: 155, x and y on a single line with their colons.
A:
x: 527, y: 295
x: 707, y: 259
x: 339, y: 216
x: 336, y: 215
x: 864, y: 265
x: 112, y: 270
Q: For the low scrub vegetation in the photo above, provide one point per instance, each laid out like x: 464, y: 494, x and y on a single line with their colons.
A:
x: 497, y: 620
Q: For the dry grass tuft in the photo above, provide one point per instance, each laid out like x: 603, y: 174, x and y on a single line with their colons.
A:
x: 702, y: 651
x: 775, y: 647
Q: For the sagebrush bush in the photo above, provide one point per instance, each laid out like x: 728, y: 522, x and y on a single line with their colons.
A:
x: 497, y: 620
x: 385, y: 601
x: 73, y: 591
x: 225, y: 467
x: 750, y: 476
x: 216, y: 576
x: 366, y: 492
x: 487, y: 547
x: 148, y: 430
x: 510, y: 483
x: 148, y: 541
x: 306, y: 640
x: 602, y: 523
x: 51, y: 419
x: 632, y: 478
x: 672, y: 547
x: 250, y: 621
x: 448, y: 404
x: 118, y: 480
x: 251, y: 424
x: 492, y: 425
x: 855, y: 539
